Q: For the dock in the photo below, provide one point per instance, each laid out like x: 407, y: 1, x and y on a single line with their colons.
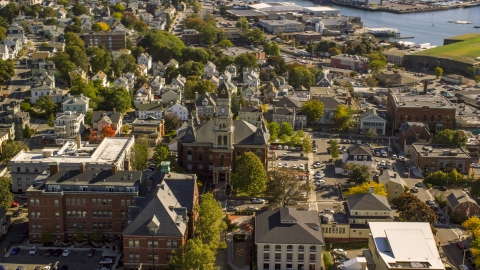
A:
x: 383, y: 32
x: 404, y: 37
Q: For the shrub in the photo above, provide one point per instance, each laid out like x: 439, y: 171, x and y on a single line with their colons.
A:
x: 328, y: 261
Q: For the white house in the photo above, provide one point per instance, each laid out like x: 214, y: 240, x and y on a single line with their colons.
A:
x: 210, y: 69
x: 179, y: 110
x: 145, y: 59
x: 102, y: 77
x: 252, y: 79
x: 16, y: 31
x: 77, y: 104
x: 357, y: 154
x: 370, y: 119
x: 232, y: 69
x: 157, y: 84
x: 142, y: 70
x: 122, y: 82
x: 143, y: 94
x: 67, y: 125
x: 171, y: 96
x: 145, y: 110
x: 179, y: 81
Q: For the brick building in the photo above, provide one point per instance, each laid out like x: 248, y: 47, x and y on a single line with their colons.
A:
x: 209, y: 149
x: 350, y: 62
x: 462, y: 206
x: 111, y: 40
x: 411, y: 132
x: 435, y: 111
x: 190, y: 36
x: 433, y: 157
x: 307, y: 37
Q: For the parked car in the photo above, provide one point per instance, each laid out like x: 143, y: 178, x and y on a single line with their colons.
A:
x: 15, y: 251
x: 20, y: 268
x: 415, y: 189
x: 49, y: 253
x: 14, y: 204
x: 340, y: 251
x: 16, y: 213
x: 252, y: 207
x: 301, y: 167
x: 258, y: 201
x: 33, y: 250
x: 66, y: 252
x: 106, y: 260
x: 461, y: 246
x: 57, y: 252
x: 230, y: 208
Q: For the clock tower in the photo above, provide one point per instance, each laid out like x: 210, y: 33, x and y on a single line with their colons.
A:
x: 223, y: 121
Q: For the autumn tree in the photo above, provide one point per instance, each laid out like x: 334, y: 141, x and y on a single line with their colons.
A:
x: 438, y: 72
x: 377, y: 66
x: 314, y: 109
x: 358, y: 174
x: 250, y: 176
x: 411, y: 209
x: 283, y: 187
x: 342, y: 117
x: 372, y: 133
x: 364, y: 188
x: 107, y: 131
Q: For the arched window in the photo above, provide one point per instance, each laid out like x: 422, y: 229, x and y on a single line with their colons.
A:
x: 266, y: 248
x: 300, y: 248
x: 222, y: 160
x: 225, y: 140
x: 247, y: 151
x: 219, y: 140
x: 259, y: 153
x: 289, y: 248
x: 312, y: 248
x: 278, y: 248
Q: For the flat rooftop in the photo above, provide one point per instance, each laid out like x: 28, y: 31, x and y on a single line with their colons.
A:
x: 441, y: 151
x: 413, y: 100
x: 320, y: 8
x: 107, y: 152
x: 247, y: 12
x: 406, y: 245
x: 277, y: 7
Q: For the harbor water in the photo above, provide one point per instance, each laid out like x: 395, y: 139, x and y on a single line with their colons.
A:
x: 425, y: 27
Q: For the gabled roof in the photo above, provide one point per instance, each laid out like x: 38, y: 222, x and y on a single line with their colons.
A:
x: 114, y: 117
x: 359, y: 150
x: 101, y: 74
x: 368, y: 201
x: 370, y: 112
x: 458, y: 197
x: 149, y: 107
x: 289, y: 102
x: 329, y: 102
x: 210, y: 97
x: 298, y: 227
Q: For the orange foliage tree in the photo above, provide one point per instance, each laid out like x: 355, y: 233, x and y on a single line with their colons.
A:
x: 107, y: 131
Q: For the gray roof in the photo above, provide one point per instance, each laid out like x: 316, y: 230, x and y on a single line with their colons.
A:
x: 94, y: 177
x: 289, y: 102
x: 113, y: 117
x: 250, y: 109
x: 162, y: 210
x: 183, y: 188
x: 149, y: 107
x: 458, y: 197
x: 329, y: 102
x: 244, y: 132
x: 359, y: 150
x: 210, y: 97
x: 369, y: 112
x: 368, y: 201
x: 299, y: 227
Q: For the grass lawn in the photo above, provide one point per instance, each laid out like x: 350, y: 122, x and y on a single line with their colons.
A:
x: 465, y: 36
x: 466, y: 51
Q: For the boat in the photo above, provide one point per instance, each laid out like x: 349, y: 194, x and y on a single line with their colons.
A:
x: 452, y: 21
x: 476, y: 26
x: 463, y: 22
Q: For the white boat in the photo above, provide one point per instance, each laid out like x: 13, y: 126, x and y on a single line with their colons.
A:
x: 452, y: 21
x: 463, y: 22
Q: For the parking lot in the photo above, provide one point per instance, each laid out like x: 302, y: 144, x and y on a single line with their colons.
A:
x: 77, y: 260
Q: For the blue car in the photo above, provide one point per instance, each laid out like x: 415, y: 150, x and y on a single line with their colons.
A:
x: 2, y: 267
x: 15, y: 251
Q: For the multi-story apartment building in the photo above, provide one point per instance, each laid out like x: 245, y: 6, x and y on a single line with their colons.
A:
x: 151, y: 130
x: 287, y: 238
x: 68, y: 124
x: 111, y: 40
x: 433, y: 157
x: 436, y: 111
x: 281, y: 26
x: 25, y: 167
x: 77, y: 104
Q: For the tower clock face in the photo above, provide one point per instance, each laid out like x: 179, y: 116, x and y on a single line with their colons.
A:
x: 223, y: 110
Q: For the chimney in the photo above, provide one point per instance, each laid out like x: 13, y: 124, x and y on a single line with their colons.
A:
x: 82, y: 167
x: 126, y: 165
x: 425, y: 85
x: 196, y: 95
x: 114, y: 169
x: 54, y: 168
x: 79, y: 142
x: 394, y: 175
x: 371, y: 189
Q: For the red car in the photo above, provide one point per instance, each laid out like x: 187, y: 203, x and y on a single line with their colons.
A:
x: 461, y: 246
x: 14, y: 204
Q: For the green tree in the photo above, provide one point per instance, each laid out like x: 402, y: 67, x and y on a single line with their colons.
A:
x: 63, y: 64
x: 9, y: 12
x: 209, y: 19
x: 118, y: 8
x: 139, y: 156
x: 118, y: 16
x: 163, y: 45
x: 124, y: 64
x: 411, y: 209
x: 274, y: 130
x: 78, y: 56
x: 7, y: 196
x: 278, y: 63
x: 191, y: 68
x: 172, y: 122
x: 46, y: 105
x: 307, y: 145
x: 204, y: 86
x: 79, y: 9
x: 314, y: 109
x: 301, y: 76
x: 100, y: 59
x: 51, y: 21
x: 372, y: 133
x: 26, y: 106
x: 51, y: 120
x: 283, y: 188
x: 451, y: 137
x: 358, y: 174
x: 334, y: 149
x: 194, y: 254
x: 209, y: 34
x: 160, y: 153
x: 225, y: 44
x: 371, y: 81
x: 250, y: 176
x: 196, y: 6
x: 10, y: 150
x: 120, y: 99
x: 28, y: 132
x: 364, y: 188
x: 438, y: 72
x: 7, y: 70
x: 210, y: 222
x: 254, y: 35
x: 287, y: 129
x: 246, y: 60
x: 97, y: 27
x: 88, y: 89
x: 196, y: 54
x: 46, y: 237
x: 272, y: 49
x: 48, y: 12
x: 342, y: 117
x: 242, y: 23
x: 88, y: 118
x: 377, y: 66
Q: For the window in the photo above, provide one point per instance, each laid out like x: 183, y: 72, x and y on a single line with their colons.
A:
x: 222, y: 160
x: 169, y: 243
x: 175, y: 244
x: 57, y: 214
x: 55, y: 202
x: 432, y: 118
x: 137, y: 242
x: 219, y: 140
x: 200, y: 154
x: 189, y: 154
x: 225, y: 140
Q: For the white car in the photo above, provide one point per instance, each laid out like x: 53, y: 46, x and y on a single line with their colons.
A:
x: 475, y: 165
x: 285, y: 165
x: 294, y: 166
x: 279, y: 147
x: 33, y: 250
x: 340, y: 251
x: 394, y: 156
x: 46, y: 268
x: 301, y: 167
x: 320, y: 181
x: 66, y: 252
x: 258, y: 201
x: 389, y: 163
x: 285, y: 147
x: 106, y: 260
x: 382, y: 163
x: 279, y: 165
